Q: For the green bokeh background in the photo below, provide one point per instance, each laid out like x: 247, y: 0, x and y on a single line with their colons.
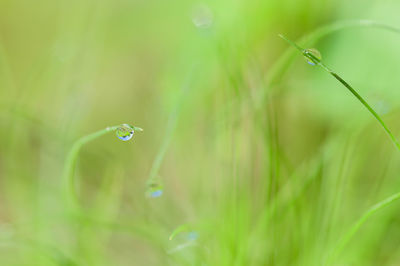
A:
x: 266, y: 174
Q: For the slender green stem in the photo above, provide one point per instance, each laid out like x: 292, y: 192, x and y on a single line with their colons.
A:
x: 317, y: 61
x: 349, y: 234
x: 170, y: 128
x: 70, y: 163
x: 279, y: 68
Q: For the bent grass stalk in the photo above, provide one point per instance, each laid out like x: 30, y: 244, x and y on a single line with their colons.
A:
x: 346, y: 238
x: 70, y: 163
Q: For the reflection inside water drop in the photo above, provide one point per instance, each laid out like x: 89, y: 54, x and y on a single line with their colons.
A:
x: 313, y: 52
x: 124, y: 132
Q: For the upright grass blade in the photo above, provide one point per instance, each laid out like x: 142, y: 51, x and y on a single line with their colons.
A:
x: 349, y: 234
x: 171, y: 126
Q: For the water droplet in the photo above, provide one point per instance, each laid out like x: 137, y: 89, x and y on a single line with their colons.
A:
x: 124, y: 132
x: 202, y: 16
x: 186, y: 232
x: 185, y: 236
x: 313, y: 52
x: 192, y: 235
x: 382, y: 107
x: 154, y: 190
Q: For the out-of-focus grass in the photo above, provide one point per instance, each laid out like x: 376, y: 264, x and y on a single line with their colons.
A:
x: 266, y: 171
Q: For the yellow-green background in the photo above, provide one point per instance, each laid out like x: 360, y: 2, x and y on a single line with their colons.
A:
x: 233, y: 148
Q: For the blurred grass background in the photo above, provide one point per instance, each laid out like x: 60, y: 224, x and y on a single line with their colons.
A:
x: 278, y: 185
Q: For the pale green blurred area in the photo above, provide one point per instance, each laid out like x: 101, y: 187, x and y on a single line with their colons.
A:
x: 278, y: 186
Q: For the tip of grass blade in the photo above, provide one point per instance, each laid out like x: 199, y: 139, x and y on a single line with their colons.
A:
x: 292, y: 43
x: 283, y: 37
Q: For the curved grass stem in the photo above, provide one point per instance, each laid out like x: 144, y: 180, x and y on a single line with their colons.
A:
x: 70, y: 164
x: 356, y: 226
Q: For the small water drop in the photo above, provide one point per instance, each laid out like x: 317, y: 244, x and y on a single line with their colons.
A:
x: 202, y: 16
x: 185, y: 231
x: 124, y: 132
x: 192, y: 235
x: 154, y: 190
x: 185, y: 236
x: 315, y: 53
x: 382, y: 107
